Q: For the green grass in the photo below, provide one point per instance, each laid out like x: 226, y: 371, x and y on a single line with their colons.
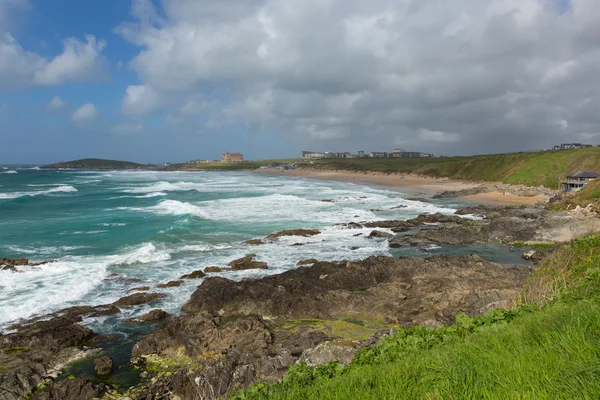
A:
x: 546, y: 348
x: 531, y: 169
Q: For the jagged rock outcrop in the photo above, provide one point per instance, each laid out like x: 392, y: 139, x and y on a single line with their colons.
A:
x: 138, y: 298
x: 247, y: 262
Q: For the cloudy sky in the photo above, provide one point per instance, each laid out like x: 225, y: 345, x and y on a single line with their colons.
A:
x: 173, y: 80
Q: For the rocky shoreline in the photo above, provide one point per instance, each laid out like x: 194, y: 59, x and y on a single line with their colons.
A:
x: 232, y: 334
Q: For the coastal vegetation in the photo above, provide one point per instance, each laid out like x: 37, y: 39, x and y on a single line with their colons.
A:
x: 531, y: 169
x: 547, y: 346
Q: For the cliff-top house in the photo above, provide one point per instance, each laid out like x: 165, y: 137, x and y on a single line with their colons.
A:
x: 577, y: 180
x: 227, y: 157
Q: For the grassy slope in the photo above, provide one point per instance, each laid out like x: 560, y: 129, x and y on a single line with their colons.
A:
x: 532, y: 169
x: 547, y: 348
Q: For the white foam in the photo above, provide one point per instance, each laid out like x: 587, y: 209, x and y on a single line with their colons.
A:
x: 10, y: 172
x: 112, y: 224
x: 50, y: 287
x: 44, y: 250
x: 170, y: 207
x: 59, y: 189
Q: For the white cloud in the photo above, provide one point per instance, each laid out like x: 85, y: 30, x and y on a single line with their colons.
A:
x: 19, y: 68
x: 86, y: 112
x: 475, y: 75
x: 139, y: 99
x: 56, y: 103
x: 79, y: 61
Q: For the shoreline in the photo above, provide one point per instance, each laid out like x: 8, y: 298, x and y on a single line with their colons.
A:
x: 409, y: 181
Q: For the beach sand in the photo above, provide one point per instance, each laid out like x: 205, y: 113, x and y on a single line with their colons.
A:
x: 408, y: 181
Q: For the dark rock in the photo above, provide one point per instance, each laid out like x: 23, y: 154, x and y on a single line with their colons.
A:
x: 388, y: 286
x: 307, y: 262
x: 139, y: 289
x: 154, y: 315
x: 299, y: 244
x: 254, y: 242
x: 10, y: 264
x: 294, y: 232
x: 215, y: 269
x: 349, y: 225
x: 450, y: 194
x: 103, y: 365
x: 71, y: 389
x: 247, y: 262
x: 137, y: 299
x: 193, y: 275
x: 380, y: 234
x: 170, y: 284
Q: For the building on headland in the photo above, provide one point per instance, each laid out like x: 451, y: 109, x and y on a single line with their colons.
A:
x: 396, y: 153
x: 571, y: 146
x: 313, y: 154
x: 577, y: 180
x: 227, y: 157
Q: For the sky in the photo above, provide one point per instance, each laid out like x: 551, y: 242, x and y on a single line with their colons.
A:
x: 176, y: 80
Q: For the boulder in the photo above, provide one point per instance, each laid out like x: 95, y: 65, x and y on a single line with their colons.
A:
x: 137, y: 299
x: 154, y: 315
x: 139, y: 289
x: 208, y: 270
x: 103, y: 365
x: 294, y: 232
x: 247, y: 262
x: 193, y: 275
x: 254, y: 242
x: 170, y: 284
x: 380, y: 234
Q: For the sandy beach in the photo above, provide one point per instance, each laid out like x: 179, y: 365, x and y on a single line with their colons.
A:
x: 409, y: 181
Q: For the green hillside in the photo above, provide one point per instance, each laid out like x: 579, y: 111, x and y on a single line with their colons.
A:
x: 98, y: 163
x: 547, y: 348
x: 532, y: 169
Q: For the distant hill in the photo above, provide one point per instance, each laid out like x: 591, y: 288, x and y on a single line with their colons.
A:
x: 98, y: 163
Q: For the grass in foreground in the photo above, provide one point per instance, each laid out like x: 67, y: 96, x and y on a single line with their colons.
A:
x: 547, y: 348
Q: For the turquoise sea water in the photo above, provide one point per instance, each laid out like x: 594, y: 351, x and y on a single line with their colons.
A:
x: 110, y: 231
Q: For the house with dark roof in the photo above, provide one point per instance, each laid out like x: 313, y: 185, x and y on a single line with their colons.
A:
x: 578, y: 180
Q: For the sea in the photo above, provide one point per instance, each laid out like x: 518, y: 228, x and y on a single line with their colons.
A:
x: 110, y: 231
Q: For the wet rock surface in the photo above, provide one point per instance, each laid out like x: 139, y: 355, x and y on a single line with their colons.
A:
x: 11, y: 264
x: 294, y: 232
x: 37, y: 350
x: 247, y: 262
x: 103, y: 365
x: 375, y: 287
x: 193, y: 275
x: 137, y: 299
